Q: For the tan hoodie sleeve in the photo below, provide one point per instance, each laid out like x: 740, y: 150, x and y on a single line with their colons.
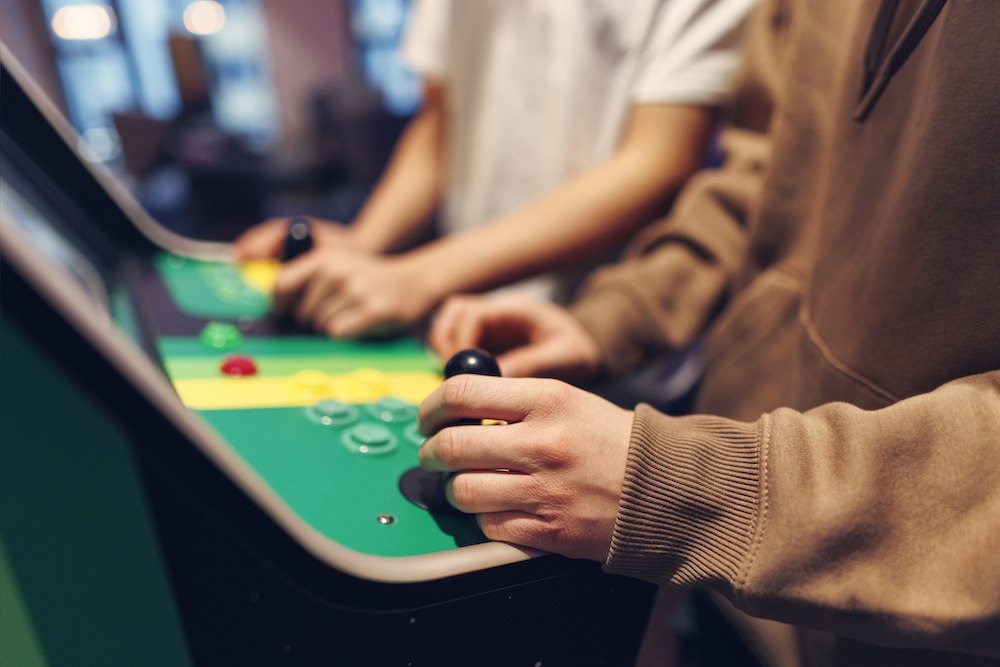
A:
x: 664, y: 297
x: 882, y: 526
x: 680, y: 271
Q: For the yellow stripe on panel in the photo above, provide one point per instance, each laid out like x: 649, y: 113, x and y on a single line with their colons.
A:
x: 365, y: 385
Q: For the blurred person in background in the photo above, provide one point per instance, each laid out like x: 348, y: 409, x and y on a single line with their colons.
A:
x: 549, y: 134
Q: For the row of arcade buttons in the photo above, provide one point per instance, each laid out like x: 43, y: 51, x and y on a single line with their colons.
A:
x: 365, y: 428
x: 364, y: 431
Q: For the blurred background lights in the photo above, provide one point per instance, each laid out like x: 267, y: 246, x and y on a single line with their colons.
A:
x: 204, y: 17
x: 99, y: 144
x: 84, y: 22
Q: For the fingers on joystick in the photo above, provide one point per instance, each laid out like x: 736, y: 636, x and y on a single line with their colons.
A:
x: 427, y: 489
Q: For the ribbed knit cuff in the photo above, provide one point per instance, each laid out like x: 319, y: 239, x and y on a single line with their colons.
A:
x: 691, y: 499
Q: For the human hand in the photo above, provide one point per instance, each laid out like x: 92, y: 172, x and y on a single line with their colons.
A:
x: 529, y: 337
x: 548, y: 478
x: 265, y: 241
x: 350, y: 293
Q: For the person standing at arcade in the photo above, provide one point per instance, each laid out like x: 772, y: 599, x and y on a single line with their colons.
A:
x: 842, y: 472
x: 550, y: 132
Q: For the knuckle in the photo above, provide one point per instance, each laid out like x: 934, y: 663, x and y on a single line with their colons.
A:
x: 535, y: 533
x: 558, y: 496
x: 567, y: 536
x: 517, y: 529
x: 553, y: 391
x: 493, y: 527
x: 502, y: 527
x: 456, y: 391
x: 556, y: 452
x: 553, y: 396
x: 450, y: 447
x: 356, y: 288
x: 464, y: 492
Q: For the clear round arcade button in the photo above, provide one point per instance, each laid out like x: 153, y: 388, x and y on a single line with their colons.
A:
x: 392, y: 410
x: 332, y: 413
x: 369, y: 439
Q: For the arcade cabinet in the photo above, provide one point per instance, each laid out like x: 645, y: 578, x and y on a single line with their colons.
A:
x: 185, y: 479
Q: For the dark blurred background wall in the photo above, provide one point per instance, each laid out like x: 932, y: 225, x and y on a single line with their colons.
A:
x: 220, y: 113
x: 23, y: 30
x: 311, y: 48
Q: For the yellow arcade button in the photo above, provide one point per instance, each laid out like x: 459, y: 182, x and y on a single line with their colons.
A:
x: 260, y: 274
x: 311, y: 383
x: 365, y: 385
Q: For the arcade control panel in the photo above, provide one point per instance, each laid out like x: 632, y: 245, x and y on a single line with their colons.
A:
x: 329, y: 425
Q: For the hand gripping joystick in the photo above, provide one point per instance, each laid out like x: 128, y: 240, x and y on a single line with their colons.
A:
x: 427, y: 489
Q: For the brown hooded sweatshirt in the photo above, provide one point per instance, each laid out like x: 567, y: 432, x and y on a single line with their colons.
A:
x: 846, y: 263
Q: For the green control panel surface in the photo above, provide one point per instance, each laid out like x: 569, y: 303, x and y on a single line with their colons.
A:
x: 330, y: 425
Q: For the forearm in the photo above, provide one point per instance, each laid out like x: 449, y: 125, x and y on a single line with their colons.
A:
x: 580, y: 219
x: 401, y: 205
x: 682, y: 268
x: 877, y: 525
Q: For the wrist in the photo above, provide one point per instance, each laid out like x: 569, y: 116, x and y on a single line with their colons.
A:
x: 428, y: 275
x: 366, y: 237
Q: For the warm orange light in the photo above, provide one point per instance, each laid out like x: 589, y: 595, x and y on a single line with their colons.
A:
x: 204, y: 17
x: 84, y: 22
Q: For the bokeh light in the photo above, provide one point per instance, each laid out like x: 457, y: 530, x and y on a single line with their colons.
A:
x: 84, y: 22
x: 204, y: 17
x: 99, y: 144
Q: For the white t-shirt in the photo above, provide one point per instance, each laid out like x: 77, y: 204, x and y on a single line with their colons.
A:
x: 540, y: 90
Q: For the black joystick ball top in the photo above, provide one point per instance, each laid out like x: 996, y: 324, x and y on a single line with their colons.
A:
x: 299, y: 239
x: 427, y: 489
x: 473, y: 361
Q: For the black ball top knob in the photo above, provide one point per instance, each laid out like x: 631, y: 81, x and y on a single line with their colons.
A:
x: 473, y: 361
x: 299, y: 239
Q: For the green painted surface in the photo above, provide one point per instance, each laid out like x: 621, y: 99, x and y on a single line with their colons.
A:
x: 210, y: 289
x: 338, y: 492
x: 19, y: 643
x: 401, y: 353
x: 75, y: 523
